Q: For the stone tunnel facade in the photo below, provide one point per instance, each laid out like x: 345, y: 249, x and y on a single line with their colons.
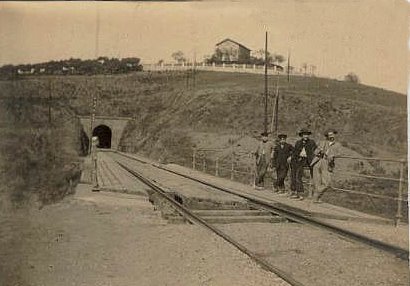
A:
x: 116, y: 124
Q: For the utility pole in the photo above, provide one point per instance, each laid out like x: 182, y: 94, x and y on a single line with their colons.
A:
x: 94, y: 98
x: 94, y: 143
x: 275, y: 112
x: 265, y: 125
x: 277, y: 108
x: 92, y: 117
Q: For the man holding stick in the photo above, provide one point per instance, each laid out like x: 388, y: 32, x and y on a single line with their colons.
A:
x: 324, y: 163
x: 263, y: 156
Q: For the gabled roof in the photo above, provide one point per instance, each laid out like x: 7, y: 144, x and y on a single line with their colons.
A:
x: 227, y: 39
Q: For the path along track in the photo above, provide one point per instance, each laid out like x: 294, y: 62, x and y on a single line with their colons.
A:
x: 291, y: 215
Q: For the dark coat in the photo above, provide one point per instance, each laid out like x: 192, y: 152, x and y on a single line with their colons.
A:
x: 281, y: 155
x: 310, y: 147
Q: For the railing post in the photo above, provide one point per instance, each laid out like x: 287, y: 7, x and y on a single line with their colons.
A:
x: 71, y: 185
x: 400, y: 194
x: 217, y: 167
x: 194, y: 159
x: 250, y: 176
x: 232, y: 165
x: 204, y: 164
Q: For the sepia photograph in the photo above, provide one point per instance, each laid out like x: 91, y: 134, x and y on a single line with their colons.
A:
x: 209, y: 143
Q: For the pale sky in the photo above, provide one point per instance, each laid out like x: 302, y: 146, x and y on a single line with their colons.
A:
x: 368, y: 37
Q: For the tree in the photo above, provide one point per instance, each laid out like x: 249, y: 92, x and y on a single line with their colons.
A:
x: 179, y: 57
x: 207, y: 59
x: 352, y: 77
x: 258, y: 57
x: 215, y: 58
x: 277, y: 58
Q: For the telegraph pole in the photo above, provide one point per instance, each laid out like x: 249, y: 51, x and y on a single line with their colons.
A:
x: 94, y: 143
x: 277, y: 108
x: 94, y: 98
x: 265, y: 125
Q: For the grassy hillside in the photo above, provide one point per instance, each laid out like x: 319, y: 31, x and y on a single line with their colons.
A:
x: 233, y: 104
x: 37, y: 157
x: 172, y: 112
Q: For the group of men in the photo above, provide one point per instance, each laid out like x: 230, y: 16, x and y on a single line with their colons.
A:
x: 318, y: 159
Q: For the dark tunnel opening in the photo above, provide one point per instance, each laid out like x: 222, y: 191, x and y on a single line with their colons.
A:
x: 104, y: 135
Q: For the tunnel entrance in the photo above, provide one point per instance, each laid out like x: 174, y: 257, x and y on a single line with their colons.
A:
x: 104, y: 134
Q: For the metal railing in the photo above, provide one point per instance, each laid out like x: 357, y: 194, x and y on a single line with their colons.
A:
x: 401, y: 180
x: 202, y: 162
x: 239, y: 166
x: 227, y: 163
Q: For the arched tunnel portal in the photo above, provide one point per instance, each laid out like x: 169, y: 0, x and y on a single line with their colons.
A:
x: 104, y: 134
x: 108, y: 129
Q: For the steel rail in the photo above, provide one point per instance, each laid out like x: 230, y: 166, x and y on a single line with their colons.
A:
x: 301, y: 218
x: 297, y: 217
x: 195, y: 219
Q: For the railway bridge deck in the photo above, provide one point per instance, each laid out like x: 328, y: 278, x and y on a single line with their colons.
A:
x: 374, y: 251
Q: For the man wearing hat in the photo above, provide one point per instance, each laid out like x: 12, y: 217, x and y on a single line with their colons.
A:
x: 263, y: 156
x: 324, y: 163
x: 302, y: 156
x: 281, y: 154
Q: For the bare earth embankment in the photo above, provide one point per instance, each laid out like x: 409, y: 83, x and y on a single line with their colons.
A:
x: 116, y: 239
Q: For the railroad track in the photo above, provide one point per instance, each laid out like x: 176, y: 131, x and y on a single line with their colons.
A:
x: 290, y: 215
x: 195, y: 219
x: 295, y: 216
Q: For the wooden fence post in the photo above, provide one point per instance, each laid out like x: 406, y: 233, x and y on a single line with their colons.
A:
x: 204, y: 164
x: 232, y: 165
x: 400, y: 194
x: 194, y: 159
